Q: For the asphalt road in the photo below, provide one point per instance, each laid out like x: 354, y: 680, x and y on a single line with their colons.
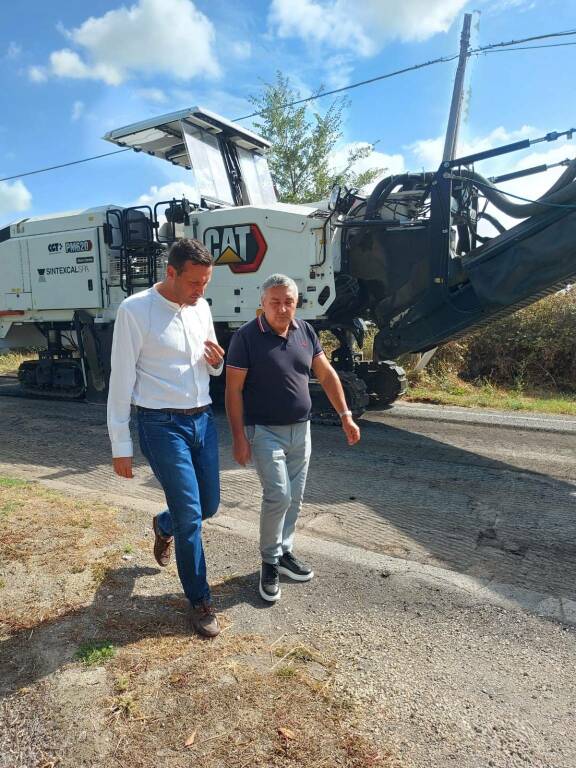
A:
x: 482, y: 494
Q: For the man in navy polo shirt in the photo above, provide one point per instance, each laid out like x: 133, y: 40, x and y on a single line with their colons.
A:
x: 268, y: 368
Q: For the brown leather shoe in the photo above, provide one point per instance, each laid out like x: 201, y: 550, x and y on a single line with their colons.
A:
x: 204, y: 619
x: 162, y: 544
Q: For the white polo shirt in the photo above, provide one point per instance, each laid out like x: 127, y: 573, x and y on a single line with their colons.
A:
x: 157, y: 360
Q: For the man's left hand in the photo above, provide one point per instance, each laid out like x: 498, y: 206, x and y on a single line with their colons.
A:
x: 213, y: 354
x: 351, y: 430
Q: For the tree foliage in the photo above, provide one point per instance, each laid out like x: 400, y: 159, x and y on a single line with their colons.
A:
x: 303, y: 142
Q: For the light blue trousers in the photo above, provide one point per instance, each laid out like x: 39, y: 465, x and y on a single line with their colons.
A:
x: 281, y: 455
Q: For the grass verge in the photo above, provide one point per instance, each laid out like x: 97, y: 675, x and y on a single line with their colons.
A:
x: 451, y: 390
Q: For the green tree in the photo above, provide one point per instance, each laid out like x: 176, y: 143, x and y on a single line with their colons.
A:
x: 301, y: 144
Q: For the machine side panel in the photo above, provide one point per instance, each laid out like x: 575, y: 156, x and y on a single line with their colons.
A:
x: 65, y: 270
x: 15, y: 291
x: 249, y: 244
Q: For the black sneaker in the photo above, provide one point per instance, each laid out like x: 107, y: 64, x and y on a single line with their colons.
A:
x: 295, y: 569
x: 269, y: 582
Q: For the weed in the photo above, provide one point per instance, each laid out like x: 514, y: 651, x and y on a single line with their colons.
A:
x: 128, y: 549
x: 285, y: 672
x: 12, y: 482
x: 2, y: 583
x: 125, y: 705
x: 9, y: 507
x: 121, y: 683
x: 95, y: 652
x: 300, y: 653
x: 99, y: 572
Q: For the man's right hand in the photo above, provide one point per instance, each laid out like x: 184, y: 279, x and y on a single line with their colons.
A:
x: 242, y: 452
x: 123, y: 466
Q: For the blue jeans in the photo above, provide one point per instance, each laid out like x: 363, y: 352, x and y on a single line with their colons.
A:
x: 183, y: 453
x: 281, y: 455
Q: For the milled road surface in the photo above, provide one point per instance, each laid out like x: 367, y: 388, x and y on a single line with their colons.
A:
x: 478, y: 514
x: 487, y: 495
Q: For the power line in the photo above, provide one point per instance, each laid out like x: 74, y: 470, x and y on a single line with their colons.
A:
x: 526, y: 48
x: 565, y: 33
x: 64, y: 165
x: 441, y: 60
x: 491, y: 48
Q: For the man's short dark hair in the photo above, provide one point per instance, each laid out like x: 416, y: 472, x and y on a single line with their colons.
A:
x: 191, y: 250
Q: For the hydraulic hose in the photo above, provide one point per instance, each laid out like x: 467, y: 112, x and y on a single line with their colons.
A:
x: 386, y: 186
x: 494, y: 221
x: 563, y: 191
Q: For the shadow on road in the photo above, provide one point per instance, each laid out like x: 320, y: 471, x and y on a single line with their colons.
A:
x: 398, y: 492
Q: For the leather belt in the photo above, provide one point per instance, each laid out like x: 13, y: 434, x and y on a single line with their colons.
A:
x: 179, y: 411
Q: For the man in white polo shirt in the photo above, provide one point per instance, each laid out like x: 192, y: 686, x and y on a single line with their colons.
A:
x: 163, y: 353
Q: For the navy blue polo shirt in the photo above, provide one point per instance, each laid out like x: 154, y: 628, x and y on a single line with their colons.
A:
x: 278, y: 371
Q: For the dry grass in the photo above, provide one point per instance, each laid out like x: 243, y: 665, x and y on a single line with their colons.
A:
x: 26, y: 739
x: 236, y: 705
x: 164, y: 696
x: 10, y: 361
x: 54, y: 550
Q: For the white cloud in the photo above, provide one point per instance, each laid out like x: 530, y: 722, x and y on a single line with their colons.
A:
x: 241, y: 50
x: 500, y: 6
x: 365, y: 30
x: 226, y: 103
x: 390, y: 164
x: 152, y: 94
x: 14, y: 197
x: 37, y: 74
x: 177, y: 189
x: 169, y: 37
x: 428, y: 152
x: 14, y: 50
x: 67, y: 63
x: 77, y: 110
x: 338, y: 71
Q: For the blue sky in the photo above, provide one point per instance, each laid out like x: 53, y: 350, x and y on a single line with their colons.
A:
x: 70, y: 72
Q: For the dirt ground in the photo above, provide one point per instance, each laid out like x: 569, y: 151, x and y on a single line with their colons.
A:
x: 362, y: 667
x: 94, y: 675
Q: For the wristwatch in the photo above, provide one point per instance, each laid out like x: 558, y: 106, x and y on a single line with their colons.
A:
x: 345, y: 413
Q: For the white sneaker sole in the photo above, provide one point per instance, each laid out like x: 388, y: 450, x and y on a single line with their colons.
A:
x: 295, y: 576
x: 267, y: 597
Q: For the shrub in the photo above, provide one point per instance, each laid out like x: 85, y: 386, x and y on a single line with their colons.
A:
x: 533, y: 348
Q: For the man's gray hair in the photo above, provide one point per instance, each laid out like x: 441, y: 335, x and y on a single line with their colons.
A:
x: 278, y: 280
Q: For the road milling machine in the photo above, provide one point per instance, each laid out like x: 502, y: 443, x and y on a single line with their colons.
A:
x: 420, y: 258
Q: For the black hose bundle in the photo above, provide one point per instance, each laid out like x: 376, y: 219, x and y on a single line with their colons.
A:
x: 562, y: 192
x: 386, y: 186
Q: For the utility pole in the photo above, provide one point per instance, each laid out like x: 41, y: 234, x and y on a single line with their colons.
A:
x: 451, y: 140
x: 458, y: 92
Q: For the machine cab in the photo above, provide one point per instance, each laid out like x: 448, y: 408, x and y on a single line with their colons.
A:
x: 228, y: 162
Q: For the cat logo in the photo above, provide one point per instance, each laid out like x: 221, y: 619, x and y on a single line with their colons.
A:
x: 242, y: 248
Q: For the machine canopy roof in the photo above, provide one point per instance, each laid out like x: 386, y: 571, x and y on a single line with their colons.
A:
x: 201, y: 140
x: 164, y: 136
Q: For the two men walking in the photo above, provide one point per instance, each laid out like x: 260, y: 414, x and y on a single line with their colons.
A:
x: 163, y: 353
